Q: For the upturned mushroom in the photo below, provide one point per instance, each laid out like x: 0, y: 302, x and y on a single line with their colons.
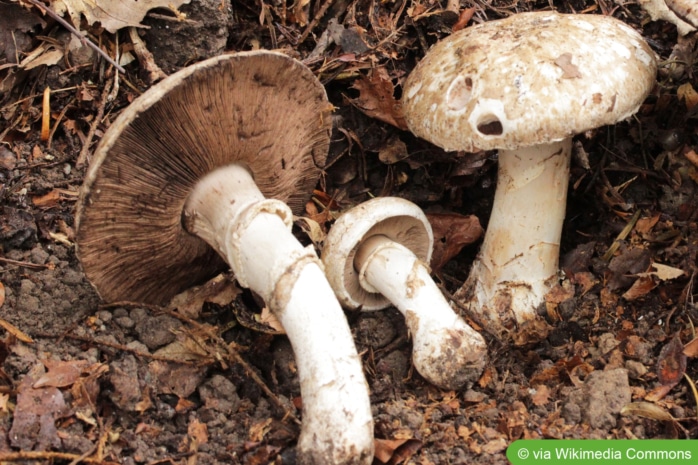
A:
x: 376, y: 255
x: 209, y: 164
x: 525, y: 85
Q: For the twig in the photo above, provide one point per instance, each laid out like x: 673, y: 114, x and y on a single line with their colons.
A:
x: 46, y: 455
x: 316, y: 19
x: 82, y: 158
x: 34, y: 266
x: 113, y: 345
x: 58, y: 122
x: 231, y: 352
x: 621, y: 237
x: 77, y: 33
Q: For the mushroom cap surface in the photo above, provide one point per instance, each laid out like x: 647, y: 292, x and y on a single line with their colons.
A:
x: 529, y: 79
x: 262, y: 109
x: 398, y: 219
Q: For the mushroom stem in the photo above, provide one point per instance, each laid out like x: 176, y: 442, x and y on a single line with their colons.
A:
x: 446, y: 350
x: 518, y: 262
x: 253, y: 234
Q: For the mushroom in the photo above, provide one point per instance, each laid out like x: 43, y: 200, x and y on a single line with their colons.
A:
x: 179, y: 180
x: 525, y: 85
x: 687, y: 10
x: 375, y: 255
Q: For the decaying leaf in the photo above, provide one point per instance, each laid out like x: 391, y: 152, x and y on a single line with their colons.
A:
x: 33, y: 424
x: 61, y: 373
x: 688, y: 94
x: 15, y: 22
x: 394, y: 451
x: 376, y: 98
x: 110, y: 14
x: 259, y: 429
x: 495, y: 446
x: 665, y: 273
x: 641, y: 287
x: 541, y: 396
x: 86, y: 388
x: 197, y: 434
x: 393, y: 151
x: 267, y: 318
x: 52, y: 198
x: 671, y: 364
x: 220, y: 290
x: 452, y: 232
x: 312, y: 228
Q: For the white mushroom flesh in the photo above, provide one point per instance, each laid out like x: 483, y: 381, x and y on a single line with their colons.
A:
x: 229, y: 212
x: 375, y: 256
x: 525, y: 85
x: 447, y: 351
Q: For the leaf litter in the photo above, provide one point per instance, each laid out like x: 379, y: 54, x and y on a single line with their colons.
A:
x: 621, y: 318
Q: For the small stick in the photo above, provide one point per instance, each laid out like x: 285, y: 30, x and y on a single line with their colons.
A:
x: 318, y: 16
x: 77, y: 33
x: 231, y: 352
x: 82, y: 158
x: 47, y: 455
x: 112, y: 345
x: 34, y: 266
x: 58, y: 122
x: 623, y: 234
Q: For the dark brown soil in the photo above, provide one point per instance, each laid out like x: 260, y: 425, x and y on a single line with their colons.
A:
x: 81, y: 380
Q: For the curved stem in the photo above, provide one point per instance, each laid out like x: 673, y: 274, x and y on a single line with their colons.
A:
x: 253, y: 234
x: 446, y: 351
x: 518, y: 262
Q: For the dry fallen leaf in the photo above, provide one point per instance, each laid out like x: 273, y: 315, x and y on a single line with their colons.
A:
x: 110, y: 14
x: 171, y: 378
x: 198, y: 434
x: 452, y: 232
x: 688, y: 94
x: 393, y: 151
x: 220, y: 290
x: 259, y: 429
x: 36, y: 411
x: 2, y: 294
x: 377, y: 100
x: 665, y: 272
x: 61, y: 373
x: 691, y: 348
x: 541, y: 396
x: 10, y: 328
x: 268, y: 318
x: 671, y: 363
x: 646, y: 410
x: 394, y: 451
x: 641, y: 287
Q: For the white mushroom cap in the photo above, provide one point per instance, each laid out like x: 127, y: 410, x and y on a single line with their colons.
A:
x: 398, y: 219
x: 529, y: 79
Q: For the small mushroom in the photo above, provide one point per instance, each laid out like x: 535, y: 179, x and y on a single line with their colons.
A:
x: 375, y: 255
x: 205, y: 165
x: 525, y: 85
